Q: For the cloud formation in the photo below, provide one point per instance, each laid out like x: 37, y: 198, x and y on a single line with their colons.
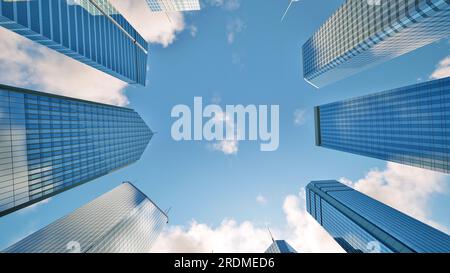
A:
x: 301, y: 231
x: 229, y: 236
x: 407, y: 189
x: 442, y: 69
x: 260, y: 199
x: 228, y: 146
x: 234, y: 27
x: 299, y: 117
x: 193, y: 30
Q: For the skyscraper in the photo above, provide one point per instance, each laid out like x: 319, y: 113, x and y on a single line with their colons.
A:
x: 362, y: 34
x: 90, y: 31
x: 408, y: 125
x: 173, y: 5
x: 49, y: 144
x: 280, y: 246
x: 122, y: 220
x: 359, y: 223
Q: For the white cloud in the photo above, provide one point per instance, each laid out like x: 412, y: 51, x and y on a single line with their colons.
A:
x: 228, y: 146
x: 201, y: 238
x: 228, y: 5
x: 234, y: 27
x: 299, y: 117
x: 28, y: 64
x: 442, y: 69
x: 155, y: 27
x: 193, y: 30
x: 260, y: 199
x: 407, y: 189
x: 302, y: 232
x: 34, y: 206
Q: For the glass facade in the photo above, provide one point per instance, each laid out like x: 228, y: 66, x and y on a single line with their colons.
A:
x: 90, y: 31
x: 120, y: 221
x: 280, y: 246
x: 361, y: 34
x: 359, y: 223
x: 173, y: 5
x: 50, y: 143
x: 409, y: 125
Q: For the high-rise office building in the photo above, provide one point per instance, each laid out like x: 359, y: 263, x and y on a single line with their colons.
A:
x: 90, y: 31
x: 122, y: 220
x: 409, y: 125
x: 49, y: 144
x: 280, y: 246
x: 362, y: 34
x: 173, y: 5
x: 359, y: 223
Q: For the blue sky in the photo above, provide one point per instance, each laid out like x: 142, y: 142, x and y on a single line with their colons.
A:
x: 243, y: 54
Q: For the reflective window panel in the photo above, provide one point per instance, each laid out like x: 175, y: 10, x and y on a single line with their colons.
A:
x: 173, y: 5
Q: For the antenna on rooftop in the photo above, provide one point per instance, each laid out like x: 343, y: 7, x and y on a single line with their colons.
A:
x: 270, y: 233
x: 167, y: 214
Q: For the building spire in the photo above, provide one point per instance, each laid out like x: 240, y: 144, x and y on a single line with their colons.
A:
x: 270, y: 233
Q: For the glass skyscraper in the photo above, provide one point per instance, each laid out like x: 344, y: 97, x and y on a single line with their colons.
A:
x: 122, y: 220
x: 364, y: 33
x: 90, y: 31
x: 49, y: 144
x: 409, y: 125
x: 173, y: 5
x: 359, y: 223
x: 280, y: 246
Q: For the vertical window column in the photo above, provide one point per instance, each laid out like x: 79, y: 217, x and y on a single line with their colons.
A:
x: 19, y: 148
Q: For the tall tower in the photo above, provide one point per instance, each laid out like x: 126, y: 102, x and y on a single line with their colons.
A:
x: 122, y: 220
x: 359, y: 223
x: 49, y: 144
x: 408, y: 125
x: 365, y: 33
x: 90, y: 31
